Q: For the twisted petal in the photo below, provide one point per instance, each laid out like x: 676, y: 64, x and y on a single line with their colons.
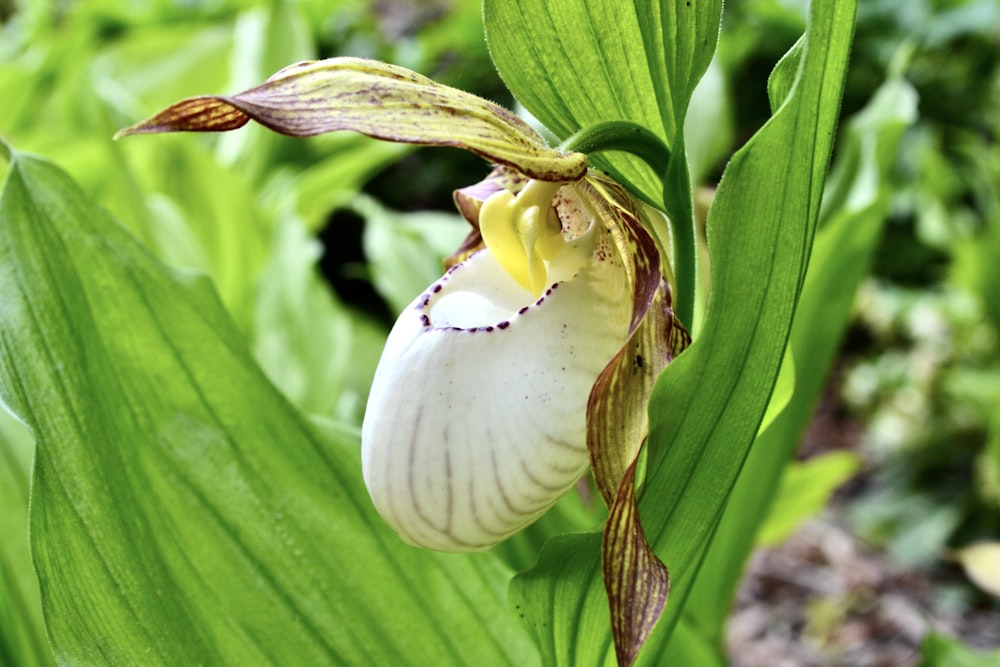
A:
x: 636, y: 581
x: 476, y: 422
x: 377, y: 99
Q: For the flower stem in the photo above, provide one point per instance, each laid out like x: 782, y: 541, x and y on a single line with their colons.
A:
x: 621, y: 135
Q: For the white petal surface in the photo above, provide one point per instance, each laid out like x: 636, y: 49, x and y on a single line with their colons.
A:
x: 476, y: 421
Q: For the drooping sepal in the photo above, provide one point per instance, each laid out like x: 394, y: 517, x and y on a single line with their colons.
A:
x: 636, y: 581
x: 379, y: 100
x: 617, y: 422
x: 617, y: 416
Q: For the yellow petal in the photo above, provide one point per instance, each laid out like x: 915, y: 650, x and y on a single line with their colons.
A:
x: 523, y: 232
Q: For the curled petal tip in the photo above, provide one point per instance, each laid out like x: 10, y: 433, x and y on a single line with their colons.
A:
x: 196, y: 114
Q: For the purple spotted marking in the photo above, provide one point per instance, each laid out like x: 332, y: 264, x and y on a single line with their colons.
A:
x: 523, y: 310
x: 426, y: 321
x: 503, y: 325
x: 437, y: 288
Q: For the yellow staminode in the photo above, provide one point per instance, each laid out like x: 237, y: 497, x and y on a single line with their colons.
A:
x: 523, y: 232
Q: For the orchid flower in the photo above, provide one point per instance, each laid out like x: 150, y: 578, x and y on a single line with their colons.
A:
x: 533, y: 356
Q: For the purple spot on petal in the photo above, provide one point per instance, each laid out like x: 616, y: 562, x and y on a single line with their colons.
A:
x: 539, y: 302
x: 437, y: 288
x: 426, y: 321
x: 523, y: 311
x: 504, y: 324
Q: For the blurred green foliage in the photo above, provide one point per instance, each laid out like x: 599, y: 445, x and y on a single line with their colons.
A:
x: 924, y: 370
x: 920, y: 367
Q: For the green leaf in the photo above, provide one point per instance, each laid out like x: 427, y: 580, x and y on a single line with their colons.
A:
x: 22, y: 630
x: 708, y: 126
x: 573, y: 63
x: 407, y: 250
x: 856, y: 202
x: 182, y: 512
x: 688, y: 647
x: 709, y: 403
x: 804, y: 490
x: 556, y: 605
x: 204, y: 216
x: 321, y: 355
x: 942, y: 651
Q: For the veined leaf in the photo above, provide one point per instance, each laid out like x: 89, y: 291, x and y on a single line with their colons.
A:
x: 182, y: 511
x: 573, y: 63
x: 22, y: 630
x: 709, y: 403
x: 855, y: 203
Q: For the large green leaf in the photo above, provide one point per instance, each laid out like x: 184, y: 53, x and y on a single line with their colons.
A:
x: 182, y: 511
x: 855, y: 206
x: 709, y: 403
x: 573, y: 63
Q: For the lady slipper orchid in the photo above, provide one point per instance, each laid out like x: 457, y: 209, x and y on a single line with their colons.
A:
x: 533, y: 356
x: 476, y: 421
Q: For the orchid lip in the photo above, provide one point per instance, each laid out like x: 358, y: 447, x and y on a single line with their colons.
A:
x: 430, y: 316
x: 469, y: 438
